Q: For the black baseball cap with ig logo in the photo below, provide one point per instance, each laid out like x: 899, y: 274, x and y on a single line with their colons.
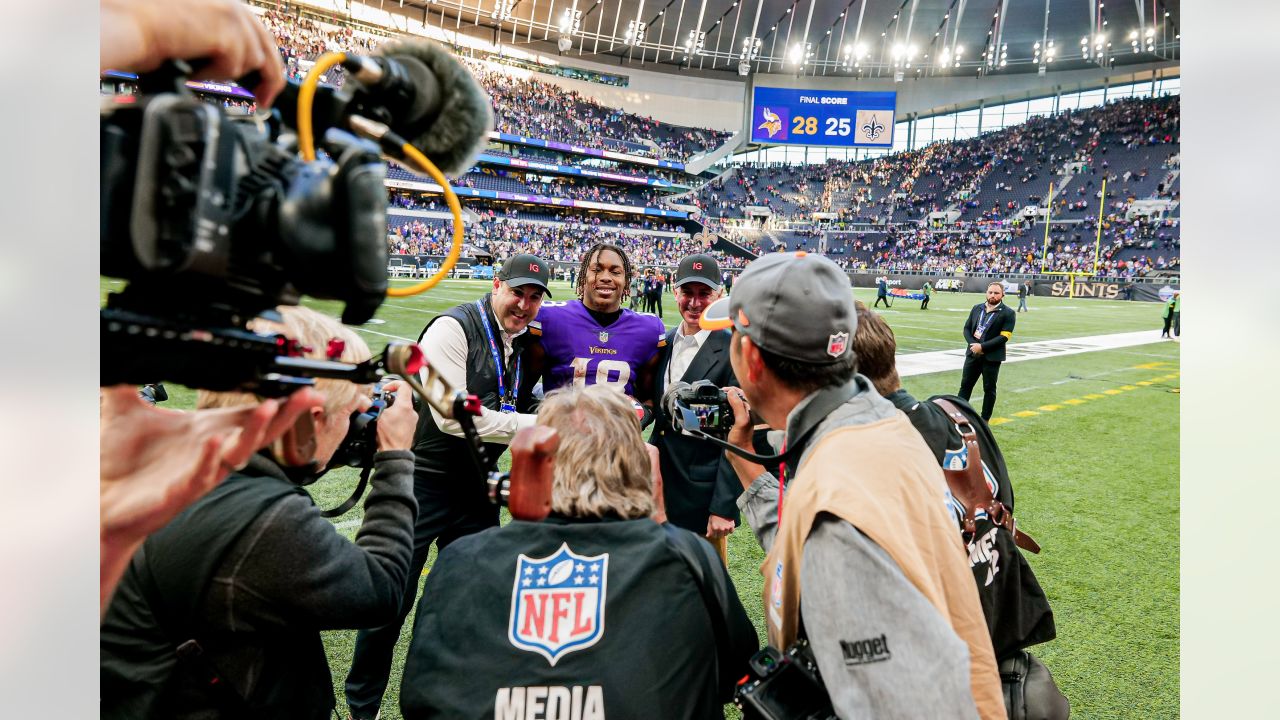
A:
x: 525, y: 269
x: 698, y: 268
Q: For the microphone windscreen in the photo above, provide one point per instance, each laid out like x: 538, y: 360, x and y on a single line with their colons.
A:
x: 454, y: 137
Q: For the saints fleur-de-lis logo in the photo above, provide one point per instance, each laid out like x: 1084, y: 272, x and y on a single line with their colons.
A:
x: 873, y: 129
x: 772, y: 122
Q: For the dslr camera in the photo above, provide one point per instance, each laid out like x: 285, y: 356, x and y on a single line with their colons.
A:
x: 784, y: 686
x: 701, y: 406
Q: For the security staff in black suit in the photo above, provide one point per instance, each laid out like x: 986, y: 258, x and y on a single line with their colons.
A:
x: 699, y: 486
x: 478, y: 347
x: 989, y: 327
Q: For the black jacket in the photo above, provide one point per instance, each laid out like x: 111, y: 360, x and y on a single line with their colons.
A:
x: 1016, y: 609
x: 253, y: 573
x: 486, y: 643
x: 998, y: 332
x: 697, y: 480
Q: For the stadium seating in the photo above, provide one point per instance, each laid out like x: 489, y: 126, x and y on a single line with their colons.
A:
x: 526, y: 107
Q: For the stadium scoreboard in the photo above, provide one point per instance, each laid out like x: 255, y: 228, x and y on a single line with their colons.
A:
x: 830, y: 118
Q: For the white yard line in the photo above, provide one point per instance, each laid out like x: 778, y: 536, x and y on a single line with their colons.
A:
x: 375, y: 332
x: 943, y: 360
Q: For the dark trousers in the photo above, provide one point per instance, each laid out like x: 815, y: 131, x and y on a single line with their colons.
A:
x: 443, y: 517
x: 975, y: 366
x: 1177, y: 324
x: 1168, y: 322
x: 882, y: 299
x: 655, y: 303
x: 924, y: 304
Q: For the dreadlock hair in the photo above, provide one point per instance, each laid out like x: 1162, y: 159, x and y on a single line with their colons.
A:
x: 581, y: 287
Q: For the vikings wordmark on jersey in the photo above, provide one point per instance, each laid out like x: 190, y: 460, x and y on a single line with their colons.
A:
x: 557, y: 603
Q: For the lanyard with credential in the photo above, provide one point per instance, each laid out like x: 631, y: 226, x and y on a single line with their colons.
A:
x: 508, y: 402
x: 984, y: 322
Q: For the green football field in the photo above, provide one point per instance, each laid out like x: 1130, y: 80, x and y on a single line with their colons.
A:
x: 1091, y: 442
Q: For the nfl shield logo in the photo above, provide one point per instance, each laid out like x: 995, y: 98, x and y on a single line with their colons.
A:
x: 604, y: 336
x: 557, y: 603
x: 837, y: 344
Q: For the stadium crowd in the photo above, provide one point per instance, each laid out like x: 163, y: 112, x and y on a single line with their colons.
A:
x: 522, y: 106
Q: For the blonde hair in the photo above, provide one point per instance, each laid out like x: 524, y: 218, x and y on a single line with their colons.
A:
x: 602, y: 466
x: 313, y: 330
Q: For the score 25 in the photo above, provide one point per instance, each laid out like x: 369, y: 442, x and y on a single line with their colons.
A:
x: 802, y: 125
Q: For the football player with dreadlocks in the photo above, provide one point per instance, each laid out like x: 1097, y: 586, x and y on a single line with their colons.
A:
x: 594, y: 340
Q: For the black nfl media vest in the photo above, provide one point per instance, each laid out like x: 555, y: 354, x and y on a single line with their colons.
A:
x: 440, y: 456
x: 645, y: 646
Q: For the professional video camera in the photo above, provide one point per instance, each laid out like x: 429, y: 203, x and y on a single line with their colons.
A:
x: 214, y: 221
x: 699, y: 407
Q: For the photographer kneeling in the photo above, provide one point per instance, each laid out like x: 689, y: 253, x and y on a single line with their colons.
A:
x: 863, y: 560
x: 596, y: 612
x: 220, y: 612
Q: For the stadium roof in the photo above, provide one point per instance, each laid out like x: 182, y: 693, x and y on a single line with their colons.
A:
x: 861, y: 38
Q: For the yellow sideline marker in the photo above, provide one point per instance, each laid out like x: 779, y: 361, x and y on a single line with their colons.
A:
x: 1026, y: 413
x: 1144, y: 382
x: 998, y: 421
x: 1050, y: 408
x: 1110, y: 391
x: 1095, y: 396
x: 1074, y: 401
x: 1128, y: 387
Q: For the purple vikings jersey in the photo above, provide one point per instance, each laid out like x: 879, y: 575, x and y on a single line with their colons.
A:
x: 580, y: 351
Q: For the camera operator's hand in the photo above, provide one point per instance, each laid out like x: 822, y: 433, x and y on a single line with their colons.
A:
x: 740, y: 433
x: 138, y: 35
x: 398, y: 422
x: 155, y: 462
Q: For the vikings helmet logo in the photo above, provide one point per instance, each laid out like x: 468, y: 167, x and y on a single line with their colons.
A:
x: 772, y: 122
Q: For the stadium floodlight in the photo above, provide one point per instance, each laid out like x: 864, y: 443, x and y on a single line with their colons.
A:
x: 571, y: 21
x: 696, y: 41
x: 635, y: 32
x: 751, y: 47
x: 502, y: 10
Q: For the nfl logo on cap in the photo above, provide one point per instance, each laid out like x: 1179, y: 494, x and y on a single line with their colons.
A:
x: 837, y: 344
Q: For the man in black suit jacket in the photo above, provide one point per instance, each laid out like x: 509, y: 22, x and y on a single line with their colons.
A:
x: 699, y: 486
x: 989, y: 327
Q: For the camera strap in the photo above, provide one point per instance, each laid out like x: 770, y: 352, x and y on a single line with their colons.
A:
x: 350, y: 502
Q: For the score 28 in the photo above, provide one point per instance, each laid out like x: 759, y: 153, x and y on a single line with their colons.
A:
x: 802, y: 125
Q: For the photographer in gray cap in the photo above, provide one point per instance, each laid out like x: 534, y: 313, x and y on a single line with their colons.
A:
x: 855, y: 526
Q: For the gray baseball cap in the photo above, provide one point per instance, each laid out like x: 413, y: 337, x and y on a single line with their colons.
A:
x: 795, y: 305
